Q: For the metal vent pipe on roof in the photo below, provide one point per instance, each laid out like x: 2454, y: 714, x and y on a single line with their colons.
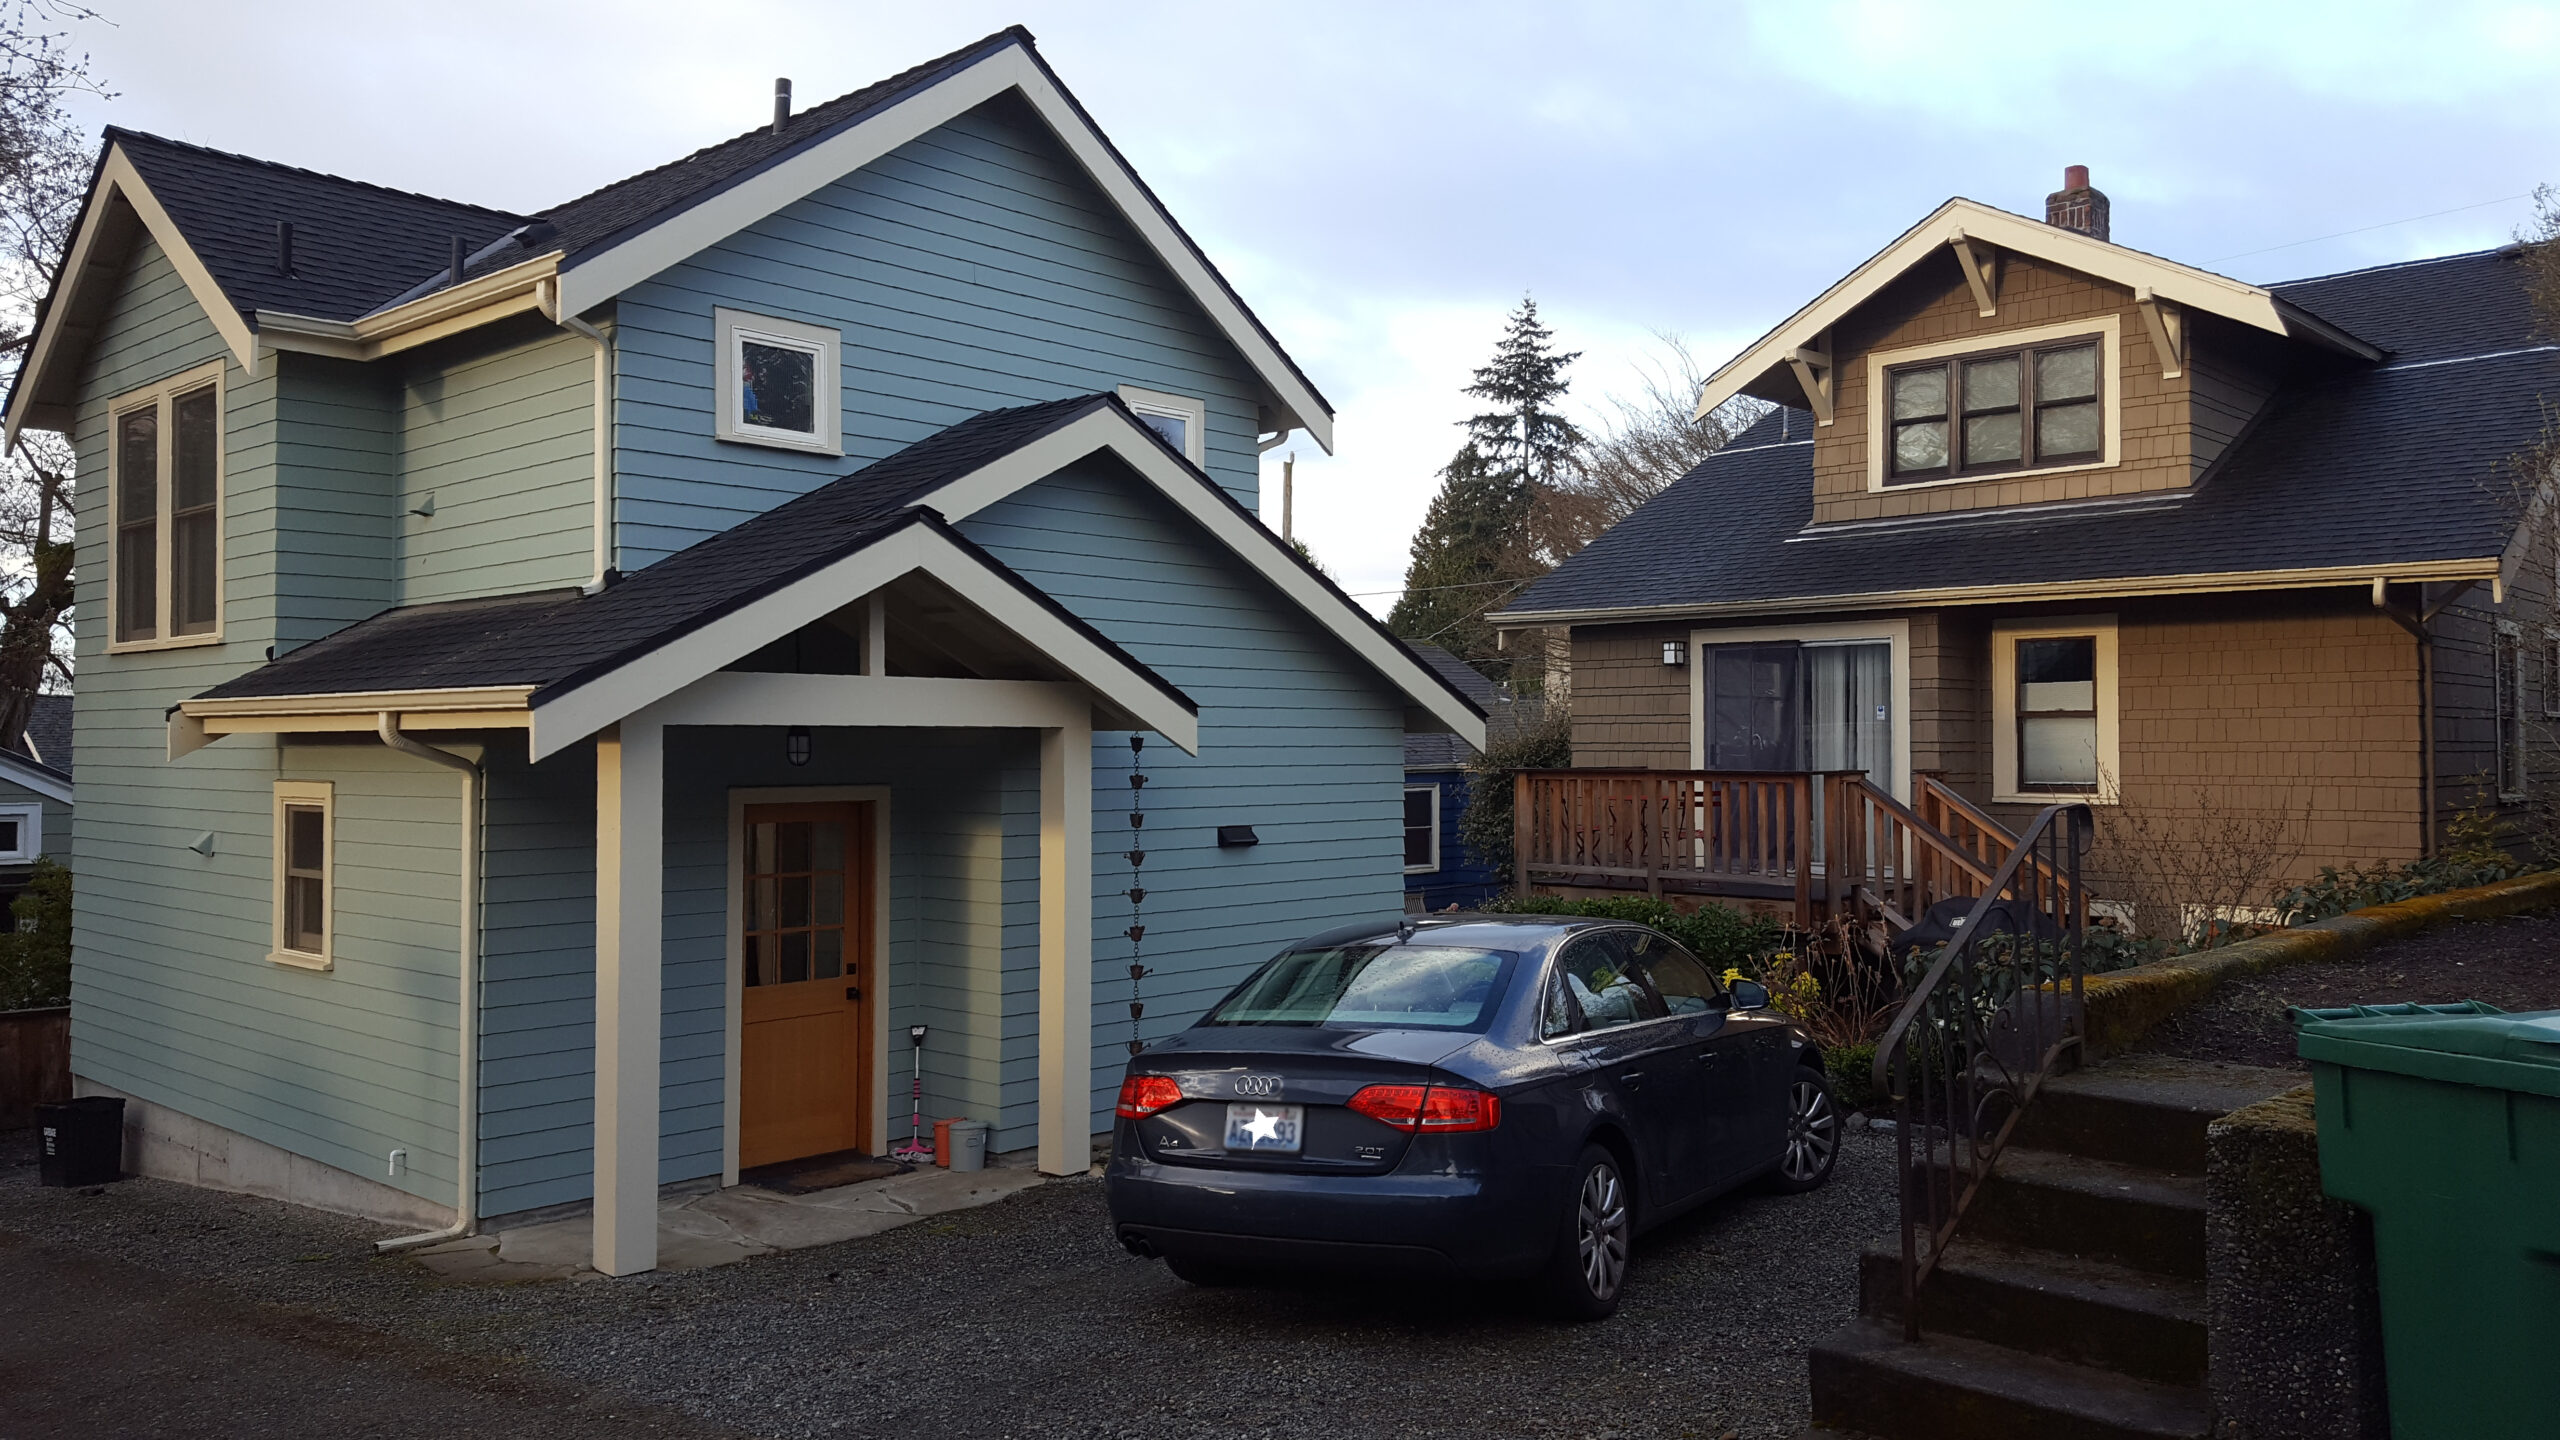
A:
x: 457, y: 262
x: 284, y: 247
x: 781, y: 104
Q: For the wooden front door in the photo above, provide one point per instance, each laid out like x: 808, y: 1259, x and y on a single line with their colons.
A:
x: 810, y: 978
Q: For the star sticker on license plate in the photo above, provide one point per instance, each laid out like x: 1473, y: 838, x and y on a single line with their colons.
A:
x: 1263, y: 1127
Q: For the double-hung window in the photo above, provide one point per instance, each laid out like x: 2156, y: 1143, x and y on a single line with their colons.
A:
x: 164, y: 458
x: 780, y: 383
x: 1987, y: 413
x: 2054, y: 709
x: 306, y: 825
x: 1421, y: 829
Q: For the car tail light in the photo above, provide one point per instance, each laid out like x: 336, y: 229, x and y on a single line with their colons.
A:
x: 1441, y: 1109
x: 1144, y: 1095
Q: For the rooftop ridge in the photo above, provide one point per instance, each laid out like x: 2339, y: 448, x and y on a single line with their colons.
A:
x: 2392, y: 265
x: 114, y: 133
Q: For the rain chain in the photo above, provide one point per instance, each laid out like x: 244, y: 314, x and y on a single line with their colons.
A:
x: 1137, y: 931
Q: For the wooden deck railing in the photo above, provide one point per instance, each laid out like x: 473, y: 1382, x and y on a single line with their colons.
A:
x: 1833, y: 844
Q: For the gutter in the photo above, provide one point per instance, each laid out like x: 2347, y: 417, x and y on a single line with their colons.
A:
x: 467, y: 948
x: 547, y: 297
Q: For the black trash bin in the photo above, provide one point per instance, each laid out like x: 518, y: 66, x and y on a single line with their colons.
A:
x: 83, y: 1140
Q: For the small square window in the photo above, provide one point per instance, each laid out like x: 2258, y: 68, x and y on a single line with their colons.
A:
x: 779, y: 383
x: 1179, y: 419
x: 21, y: 833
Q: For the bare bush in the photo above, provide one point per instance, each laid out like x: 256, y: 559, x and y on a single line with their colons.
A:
x: 2204, y: 871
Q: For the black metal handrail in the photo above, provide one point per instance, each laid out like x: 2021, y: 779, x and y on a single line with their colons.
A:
x: 1980, y: 1032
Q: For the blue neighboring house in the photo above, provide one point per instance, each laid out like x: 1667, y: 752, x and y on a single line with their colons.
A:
x: 563, y: 693
x: 35, y: 794
x: 1438, y: 872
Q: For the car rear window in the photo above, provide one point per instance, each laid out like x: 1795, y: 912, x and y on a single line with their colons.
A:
x: 1373, y: 987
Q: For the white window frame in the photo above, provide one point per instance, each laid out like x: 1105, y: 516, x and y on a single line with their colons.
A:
x: 1434, y: 867
x: 730, y: 329
x: 1194, y: 415
x: 322, y: 793
x: 159, y: 394
x: 2509, y: 727
x: 2005, y: 636
x: 30, y: 818
x: 1893, y: 633
x: 2108, y: 328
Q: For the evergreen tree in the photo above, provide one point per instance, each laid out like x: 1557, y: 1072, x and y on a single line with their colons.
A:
x: 1464, y: 557
x: 1523, y: 431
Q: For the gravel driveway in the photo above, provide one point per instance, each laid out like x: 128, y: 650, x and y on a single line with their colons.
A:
x: 1023, y: 1318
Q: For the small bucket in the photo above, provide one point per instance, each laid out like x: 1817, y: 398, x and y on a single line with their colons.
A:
x: 942, y: 1140
x: 968, y: 1144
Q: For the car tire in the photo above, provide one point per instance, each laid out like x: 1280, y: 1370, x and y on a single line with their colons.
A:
x: 1588, y: 1272
x: 1208, y: 1275
x: 1813, y: 1134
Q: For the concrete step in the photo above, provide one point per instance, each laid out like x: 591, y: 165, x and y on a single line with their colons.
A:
x: 1866, y: 1378
x: 2101, y: 1209
x: 2064, y: 1307
x: 2144, y: 1109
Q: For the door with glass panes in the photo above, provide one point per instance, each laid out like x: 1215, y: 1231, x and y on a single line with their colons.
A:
x: 1809, y: 705
x: 809, y: 979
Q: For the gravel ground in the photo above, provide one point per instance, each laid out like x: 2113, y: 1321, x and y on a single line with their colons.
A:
x: 2512, y: 963
x: 1026, y: 1318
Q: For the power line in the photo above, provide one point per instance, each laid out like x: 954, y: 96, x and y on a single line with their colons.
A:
x: 2362, y: 229
x: 1429, y: 589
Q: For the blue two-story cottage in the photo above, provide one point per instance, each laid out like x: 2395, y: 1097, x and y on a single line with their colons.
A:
x: 562, y: 694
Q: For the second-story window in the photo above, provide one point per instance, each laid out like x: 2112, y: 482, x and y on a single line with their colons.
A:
x: 1998, y: 411
x: 1181, y: 420
x: 779, y: 382
x: 165, y: 458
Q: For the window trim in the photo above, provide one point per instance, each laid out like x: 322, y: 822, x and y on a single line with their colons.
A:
x: 2551, y: 672
x: 322, y: 793
x: 1193, y: 413
x: 2506, y: 709
x: 729, y: 329
x: 159, y: 394
x: 1434, y: 867
x: 2108, y: 330
x: 30, y: 818
x: 2004, y: 708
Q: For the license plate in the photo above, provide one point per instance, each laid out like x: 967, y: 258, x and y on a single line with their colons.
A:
x: 1268, y: 1128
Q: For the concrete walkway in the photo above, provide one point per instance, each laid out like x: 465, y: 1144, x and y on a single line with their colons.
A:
x: 721, y: 1226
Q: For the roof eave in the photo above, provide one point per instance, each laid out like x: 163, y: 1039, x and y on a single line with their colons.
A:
x: 528, y: 285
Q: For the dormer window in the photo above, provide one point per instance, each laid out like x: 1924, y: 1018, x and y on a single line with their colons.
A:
x: 1983, y: 413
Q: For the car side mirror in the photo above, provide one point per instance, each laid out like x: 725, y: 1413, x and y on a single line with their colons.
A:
x: 1750, y: 995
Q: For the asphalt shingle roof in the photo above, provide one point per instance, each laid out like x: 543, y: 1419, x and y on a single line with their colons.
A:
x: 2376, y: 465
x: 48, y: 735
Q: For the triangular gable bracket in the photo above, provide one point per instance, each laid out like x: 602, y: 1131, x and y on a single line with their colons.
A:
x: 589, y: 280
x: 1976, y: 233
x: 45, y: 395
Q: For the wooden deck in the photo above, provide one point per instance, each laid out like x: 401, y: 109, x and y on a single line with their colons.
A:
x: 1826, y: 845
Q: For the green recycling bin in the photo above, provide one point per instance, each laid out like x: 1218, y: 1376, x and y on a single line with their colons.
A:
x: 2442, y: 1122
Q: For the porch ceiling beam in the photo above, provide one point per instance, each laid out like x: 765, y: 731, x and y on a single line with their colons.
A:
x: 739, y: 697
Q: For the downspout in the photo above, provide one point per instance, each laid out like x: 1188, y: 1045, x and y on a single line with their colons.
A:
x: 467, y: 947
x: 2418, y: 622
x: 548, y: 297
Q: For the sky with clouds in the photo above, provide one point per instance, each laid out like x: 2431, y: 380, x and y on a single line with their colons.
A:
x: 1382, y: 182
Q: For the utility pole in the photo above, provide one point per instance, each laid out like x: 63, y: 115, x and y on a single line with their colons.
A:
x: 1288, y: 494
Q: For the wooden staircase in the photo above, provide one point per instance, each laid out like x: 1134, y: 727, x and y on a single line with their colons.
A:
x: 2072, y: 1307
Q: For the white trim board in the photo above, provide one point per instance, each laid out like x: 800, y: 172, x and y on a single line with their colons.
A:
x: 591, y: 280
x: 1974, y: 223
x: 1113, y: 429
x: 690, y: 657
x: 35, y: 775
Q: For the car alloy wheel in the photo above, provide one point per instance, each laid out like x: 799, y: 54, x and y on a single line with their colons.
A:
x: 1813, y: 1132
x: 1600, y: 1231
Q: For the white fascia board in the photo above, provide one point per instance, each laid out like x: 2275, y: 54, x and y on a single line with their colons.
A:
x: 700, y: 652
x: 1969, y: 220
x: 738, y: 697
x: 1111, y: 429
x: 117, y: 179
x: 590, y: 282
x: 42, y: 779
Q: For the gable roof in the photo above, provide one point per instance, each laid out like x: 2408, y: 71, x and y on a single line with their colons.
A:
x: 1765, y: 368
x: 370, y: 261
x: 588, y: 659
x: 47, y: 740
x: 2381, y: 471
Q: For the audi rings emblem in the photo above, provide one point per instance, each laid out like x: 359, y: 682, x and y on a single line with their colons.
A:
x: 1262, y: 1086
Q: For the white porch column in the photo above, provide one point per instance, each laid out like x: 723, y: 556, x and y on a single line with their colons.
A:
x: 630, y: 830
x: 1066, y: 947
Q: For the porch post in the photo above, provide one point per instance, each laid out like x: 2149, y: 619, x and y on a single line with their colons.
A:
x: 630, y: 801
x: 1066, y: 947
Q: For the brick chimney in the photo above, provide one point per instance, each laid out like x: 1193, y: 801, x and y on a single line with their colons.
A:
x: 2076, y: 206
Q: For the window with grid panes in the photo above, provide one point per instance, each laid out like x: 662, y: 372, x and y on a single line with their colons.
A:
x: 1996, y: 412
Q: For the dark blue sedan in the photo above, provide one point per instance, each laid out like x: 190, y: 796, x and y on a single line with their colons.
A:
x: 1496, y: 1097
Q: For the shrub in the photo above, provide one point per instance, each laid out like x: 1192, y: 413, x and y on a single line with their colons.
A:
x: 2472, y: 855
x: 35, y: 953
x: 1486, y: 826
x: 1853, y: 1075
x: 1724, y: 938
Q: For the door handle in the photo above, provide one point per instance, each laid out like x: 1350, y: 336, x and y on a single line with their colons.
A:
x: 853, y: 992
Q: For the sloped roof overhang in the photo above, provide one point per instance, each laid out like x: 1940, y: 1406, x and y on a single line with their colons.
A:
x: 1769, y: 368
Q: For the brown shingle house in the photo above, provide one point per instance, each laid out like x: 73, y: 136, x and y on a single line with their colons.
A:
x: 2040, y: 516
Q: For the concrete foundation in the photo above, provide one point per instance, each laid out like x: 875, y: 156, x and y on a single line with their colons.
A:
x: 166, y: 1145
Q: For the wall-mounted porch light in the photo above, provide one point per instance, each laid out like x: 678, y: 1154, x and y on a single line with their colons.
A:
x: 1675, y: 652
x: 796, y: 744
